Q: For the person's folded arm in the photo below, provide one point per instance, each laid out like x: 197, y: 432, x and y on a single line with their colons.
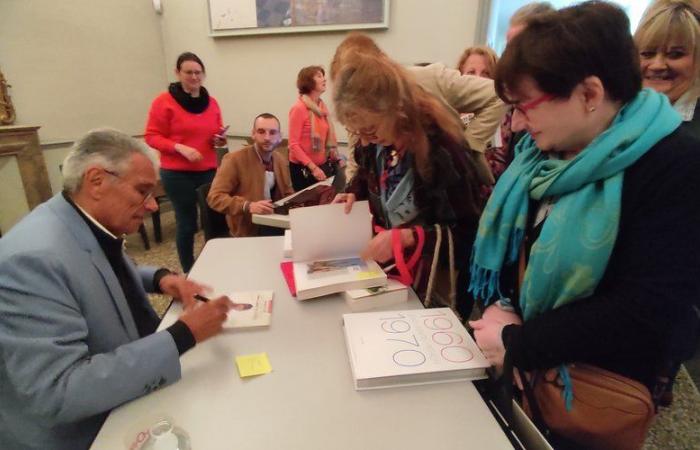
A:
x: 472, y: 94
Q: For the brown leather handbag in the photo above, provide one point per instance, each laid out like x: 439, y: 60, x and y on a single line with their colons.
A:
x: 609, y: 412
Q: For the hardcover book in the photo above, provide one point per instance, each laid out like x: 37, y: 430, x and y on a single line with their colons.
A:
x: 379, y: 297
x: 410, y: 347
x: 327, y: 245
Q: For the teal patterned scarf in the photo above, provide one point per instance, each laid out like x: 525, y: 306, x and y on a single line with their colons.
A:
x: 569, y: 258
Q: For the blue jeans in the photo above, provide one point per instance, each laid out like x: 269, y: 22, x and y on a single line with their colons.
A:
x: 181, y: 187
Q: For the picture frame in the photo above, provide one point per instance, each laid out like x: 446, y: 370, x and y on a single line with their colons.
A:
x: 257, y: 17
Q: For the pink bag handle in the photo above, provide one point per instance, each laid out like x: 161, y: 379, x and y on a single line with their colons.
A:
x: 405, y: 268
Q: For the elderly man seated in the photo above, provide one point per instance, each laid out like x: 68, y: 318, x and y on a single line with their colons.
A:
x: 77, y: 333
x: 250, y: 179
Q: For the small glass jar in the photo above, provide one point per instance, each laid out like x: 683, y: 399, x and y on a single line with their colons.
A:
x: 164, y: 436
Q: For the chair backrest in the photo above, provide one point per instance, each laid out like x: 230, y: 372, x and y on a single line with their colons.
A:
x: 213, y: 222
x: 220, y: 153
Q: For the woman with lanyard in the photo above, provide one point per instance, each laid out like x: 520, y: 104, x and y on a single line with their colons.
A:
x: 413, y: 168
x: 312, y: 144
x: 184, y: 125
x: 588, y: 245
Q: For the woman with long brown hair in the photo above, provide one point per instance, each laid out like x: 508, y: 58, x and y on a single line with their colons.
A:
x: 415, y: 172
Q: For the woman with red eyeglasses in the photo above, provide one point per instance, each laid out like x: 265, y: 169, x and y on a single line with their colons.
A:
x: 587, y: 251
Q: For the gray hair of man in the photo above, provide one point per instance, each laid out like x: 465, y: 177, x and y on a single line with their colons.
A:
x: 523, y: 14
x: 104, y: 147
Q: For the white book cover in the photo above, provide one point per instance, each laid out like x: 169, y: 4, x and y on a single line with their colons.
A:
x: 260, y: 315
x: 287, y: 244
x: 409, y: 347
x: 327, y: 245
x: 393, y: 293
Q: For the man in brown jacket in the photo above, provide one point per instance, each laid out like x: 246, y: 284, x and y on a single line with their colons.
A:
x: 250, y: 179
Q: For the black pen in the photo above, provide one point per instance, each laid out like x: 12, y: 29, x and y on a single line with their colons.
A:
x: 236, y: 306
x: 201, y: 298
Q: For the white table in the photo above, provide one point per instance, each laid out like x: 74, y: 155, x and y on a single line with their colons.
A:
x: 308, y: 401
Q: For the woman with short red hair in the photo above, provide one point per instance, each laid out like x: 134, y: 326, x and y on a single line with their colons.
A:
x: 312, y: 143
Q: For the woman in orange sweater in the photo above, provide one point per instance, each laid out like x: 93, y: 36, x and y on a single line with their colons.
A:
x: 184, y: 125
x: 312, y: 143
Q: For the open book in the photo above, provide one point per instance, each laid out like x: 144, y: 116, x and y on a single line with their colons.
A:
x: 401, y: 348
x: 282, y: 220
x: 260, y: 315
x: 327, y: 245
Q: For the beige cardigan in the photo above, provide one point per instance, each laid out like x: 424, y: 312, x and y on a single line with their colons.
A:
x: 241, y: 178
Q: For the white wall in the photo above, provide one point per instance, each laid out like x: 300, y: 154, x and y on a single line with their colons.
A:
x: 75, y: 65
x: 253, y: 74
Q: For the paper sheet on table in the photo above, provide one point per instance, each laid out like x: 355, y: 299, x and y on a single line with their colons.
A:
x: 255, y: 364
x: 326, y: 232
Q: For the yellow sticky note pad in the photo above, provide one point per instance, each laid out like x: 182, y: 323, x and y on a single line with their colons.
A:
x: 250, y: 365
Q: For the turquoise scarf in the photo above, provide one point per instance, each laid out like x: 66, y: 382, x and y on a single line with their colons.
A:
x: 570, y: 256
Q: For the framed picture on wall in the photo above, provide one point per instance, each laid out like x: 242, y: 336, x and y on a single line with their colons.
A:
x: 246, y: 17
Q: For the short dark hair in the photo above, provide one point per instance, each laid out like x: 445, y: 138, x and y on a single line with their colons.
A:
x: 266, y: 116
x: 189, y: 56
x: 559, y: 50
x: 305, y: 79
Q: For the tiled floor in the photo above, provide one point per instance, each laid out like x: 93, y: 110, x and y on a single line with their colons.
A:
x: 675, y: 428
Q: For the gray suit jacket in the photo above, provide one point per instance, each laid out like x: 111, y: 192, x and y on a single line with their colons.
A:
x: 69, y: 347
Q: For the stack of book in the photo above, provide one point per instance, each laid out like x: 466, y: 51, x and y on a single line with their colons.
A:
x: 410, y: 347
x: 376, y: 298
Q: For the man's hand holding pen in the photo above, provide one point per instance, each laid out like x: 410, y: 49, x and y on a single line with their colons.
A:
x: 206, y: 318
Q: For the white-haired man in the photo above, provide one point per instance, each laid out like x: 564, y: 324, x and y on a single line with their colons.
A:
x: 77, y: 333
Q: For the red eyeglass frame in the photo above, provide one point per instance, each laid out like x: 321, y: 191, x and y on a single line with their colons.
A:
x: 525, y: 107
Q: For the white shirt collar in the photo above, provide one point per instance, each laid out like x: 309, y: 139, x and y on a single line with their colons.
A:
x: 93, y: 220
x: 686, y: 105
